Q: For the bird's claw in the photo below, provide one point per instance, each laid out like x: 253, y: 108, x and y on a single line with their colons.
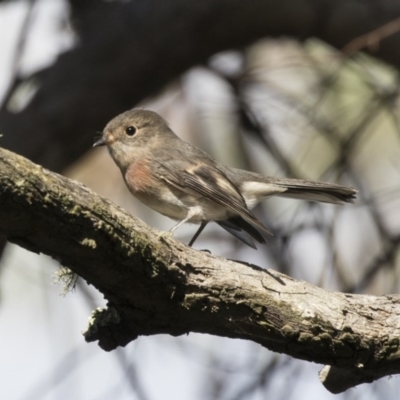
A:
x: 164, y: 235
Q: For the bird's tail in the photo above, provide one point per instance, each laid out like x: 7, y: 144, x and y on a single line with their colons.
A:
x: 316, y: 191
x: 254, y: 187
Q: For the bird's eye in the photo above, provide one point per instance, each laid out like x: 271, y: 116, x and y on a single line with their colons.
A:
x: 130, y: 130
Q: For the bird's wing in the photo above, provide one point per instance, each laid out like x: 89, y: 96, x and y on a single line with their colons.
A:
x: 208, y: 181
x: 237, y: 223
x: 239, y: 234
x: 239, y: 227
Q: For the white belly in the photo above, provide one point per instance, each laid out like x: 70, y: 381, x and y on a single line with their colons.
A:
x: 176, y: 205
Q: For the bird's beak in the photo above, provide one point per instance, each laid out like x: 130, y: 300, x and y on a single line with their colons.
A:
x: 106, y: 139
x: 100, y: 142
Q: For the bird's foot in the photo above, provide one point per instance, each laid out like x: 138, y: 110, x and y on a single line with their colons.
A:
x: 164, y: 235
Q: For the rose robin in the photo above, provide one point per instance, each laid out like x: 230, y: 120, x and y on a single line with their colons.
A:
x: 184, y: 183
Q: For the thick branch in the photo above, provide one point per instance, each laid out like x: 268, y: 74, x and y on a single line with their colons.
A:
x: 158, y: 285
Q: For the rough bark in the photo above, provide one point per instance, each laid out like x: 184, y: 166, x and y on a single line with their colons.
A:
x: 158, y: 285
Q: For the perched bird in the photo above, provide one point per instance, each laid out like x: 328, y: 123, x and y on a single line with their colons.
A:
x: 184, y: 183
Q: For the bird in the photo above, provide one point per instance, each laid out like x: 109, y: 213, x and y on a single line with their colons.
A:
x: 183, y: 182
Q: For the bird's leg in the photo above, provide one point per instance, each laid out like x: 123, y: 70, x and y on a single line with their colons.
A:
x: 196, y: 235
x: 174, y: 228
x: 191, y: 213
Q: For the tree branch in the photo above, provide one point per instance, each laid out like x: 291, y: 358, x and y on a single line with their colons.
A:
x: 158, y: 285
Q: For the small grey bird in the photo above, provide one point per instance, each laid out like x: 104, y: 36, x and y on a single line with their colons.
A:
x: 184, y: 183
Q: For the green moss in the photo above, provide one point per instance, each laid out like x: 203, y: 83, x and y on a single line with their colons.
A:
x: 19, y: 183
x: 305, y: 337
x: 347, y: 328
x: 87, y: 242
x: 290, y: 332
x: 75, y: 210
x: 342, y: 350
x: 265, y: 324
x: 347, y: 337
x: 194, y: 300
x: 326, y: 337
x: 390, y: 347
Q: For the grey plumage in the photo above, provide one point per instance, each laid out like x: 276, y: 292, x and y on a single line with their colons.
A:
x: 186, y: 184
